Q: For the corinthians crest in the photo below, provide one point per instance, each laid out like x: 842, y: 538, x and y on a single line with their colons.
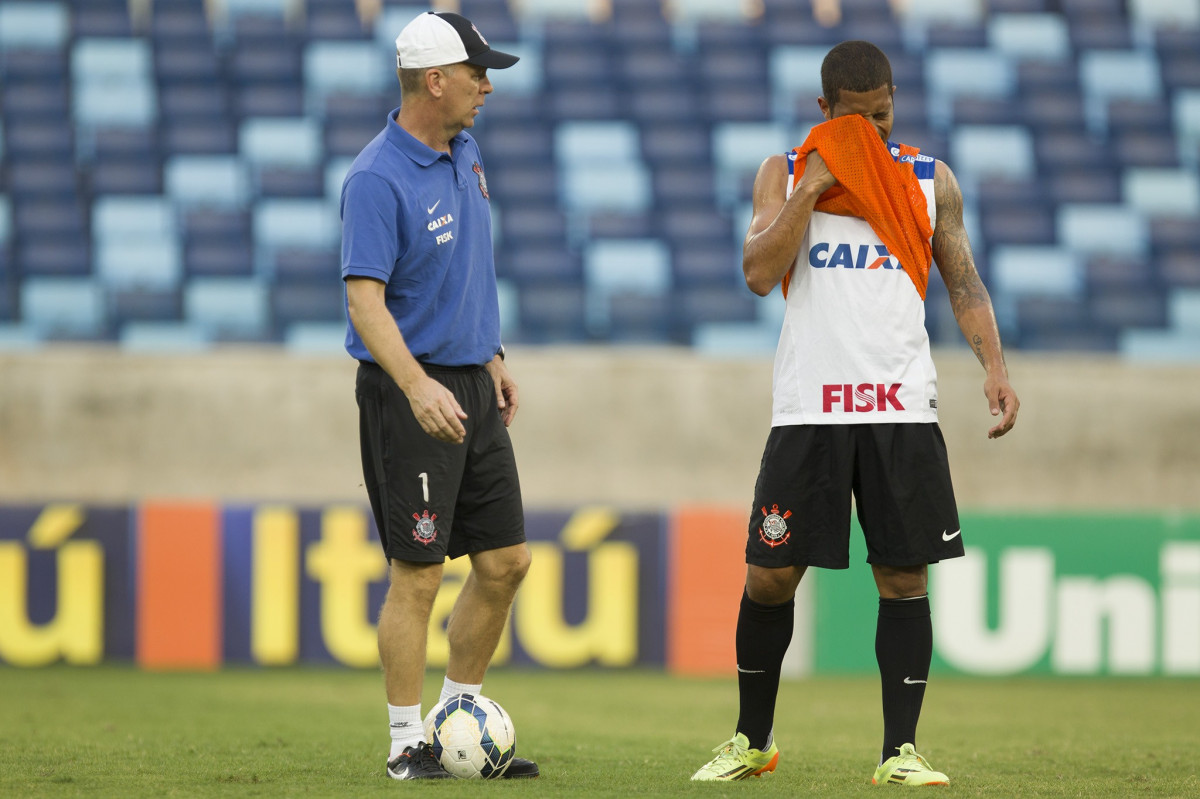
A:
x: 478, y: 170
x: 426, y: 530
x: 774, y: 530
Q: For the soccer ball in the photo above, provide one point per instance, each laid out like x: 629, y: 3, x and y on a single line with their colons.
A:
x: 471, y: 736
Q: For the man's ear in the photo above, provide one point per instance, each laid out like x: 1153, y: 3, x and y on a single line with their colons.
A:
x: 826, y: 111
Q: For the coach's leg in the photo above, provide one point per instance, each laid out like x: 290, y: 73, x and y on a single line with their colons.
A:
x: 903, y: 648
x: 404, y: 628
x: 478, y: 617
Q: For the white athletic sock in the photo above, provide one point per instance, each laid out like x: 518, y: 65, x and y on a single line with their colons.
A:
x: 406, y: 728
x: 450, y: 688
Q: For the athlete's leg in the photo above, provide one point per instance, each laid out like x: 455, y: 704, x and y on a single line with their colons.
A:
x: 903, y: 648
x: 764, y: 631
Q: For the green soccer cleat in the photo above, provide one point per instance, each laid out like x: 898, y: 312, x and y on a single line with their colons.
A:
x: 735, y: 760
x: 908, y: 768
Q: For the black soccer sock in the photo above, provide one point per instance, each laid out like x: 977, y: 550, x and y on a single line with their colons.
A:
x: 763, y: 635
x: 903, y: 647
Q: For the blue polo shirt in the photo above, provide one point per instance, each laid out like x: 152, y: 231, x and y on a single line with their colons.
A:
x: 419, y: 221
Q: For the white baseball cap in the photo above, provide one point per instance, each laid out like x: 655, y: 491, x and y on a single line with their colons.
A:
x: 435, y: 39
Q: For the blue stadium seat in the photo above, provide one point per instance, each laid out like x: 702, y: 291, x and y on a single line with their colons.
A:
x: 1164, y: 13
x: 703, y: 264
x: 37, y: 100
x: 1082, y: 186
x: 738, y: 150
x: 200, y: 137
x: 33, y: 25
x: 1048, y: 109
x: 194, y: 101
x: 1042, y: 36
x: 273, y: 60
x: 954, y: 72
x: 126, y: 176
x: 281, y: 224
x: 269, y: 100
x: 685, y: 185
x: 37, y: 138
x: 1163, y: 192
x: 958, y: 12
x: 1128, y: 306
x: 317, y: 338
x: 539, y: 264
x: 6, y: 225
x: 594, y: 143
x: 147, y: 263
x: 1045, y: 271
x: 1107, y: 75
x: 553, y: 313
x: 641, y: 265
x: 1187, y: 124
x: 111, y: 60
x: 795, y: 77
x: 292, y: 303
x: 675, y: 144
x: 188, y: 63
x: 131, y: 218
x: 1150, y: 148
x: 55, y: 306
x: 48, y: 255
x: 1019, y: 223
x: 280, y: 142
x: 979, y: 151
x: 639, y: 318
x: 348, y: 67
x: 173, y: 337
x: 217, y: 181
x: 621, y: 186
x: 218, y: 258
x: 227, y: 307
x: 1099, y: 228
x: 115, y: 105
x: 144, y: 306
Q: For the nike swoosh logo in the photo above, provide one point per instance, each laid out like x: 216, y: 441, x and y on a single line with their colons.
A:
x: 433, y: 207
x: 911, y: 681
x: 950, y: 536
x: 751, y: 671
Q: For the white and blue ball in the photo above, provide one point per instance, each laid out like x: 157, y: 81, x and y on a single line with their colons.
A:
x: 472, y: 736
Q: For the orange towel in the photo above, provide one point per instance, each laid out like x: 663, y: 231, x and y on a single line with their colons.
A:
x: 875, y: 187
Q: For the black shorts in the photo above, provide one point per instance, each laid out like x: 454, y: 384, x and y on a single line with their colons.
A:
x: 898, y: 474
x: 432, y: 499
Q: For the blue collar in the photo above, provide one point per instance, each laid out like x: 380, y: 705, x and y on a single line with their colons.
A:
x: 422, y: 154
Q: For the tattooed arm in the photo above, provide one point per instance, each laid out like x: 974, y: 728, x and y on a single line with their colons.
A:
x: 969, y: 299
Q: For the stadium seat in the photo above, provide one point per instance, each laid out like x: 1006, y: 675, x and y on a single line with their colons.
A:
x: 132, y: 218
x: 1099, y: 228
x: 980, y: 151
x: 342, y: 67
x: 1160, y: 346
x: 126, y: 176
x: 291, y: 223
x: 145, y: 263
x: 1163, y: 192
x: 1033, y: 36
x: 5, y: 221
x: 795, y: 76
x: 1107, y: 75
x: 172, y: 337
x: 621, y: 186
x: 33, y: 26
x: 315, y: 338
x: 953, y: 72
x: 206, y: 180
x: 596, y: 143
x: 115, y: 105
x: 265, y: 141
x: 959, y: 12
x: 738, y: 150
x: 54, y: 306
x: 1044, y: 271
x: 553, y: 314
x: 1187, y: 125
x: 735, y: 339
x: 1165, y: 13
x: 227, y: 307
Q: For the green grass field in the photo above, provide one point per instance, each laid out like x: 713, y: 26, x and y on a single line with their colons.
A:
x: 118, y: 732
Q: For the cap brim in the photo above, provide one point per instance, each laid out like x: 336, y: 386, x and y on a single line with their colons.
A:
x: 493, y: 59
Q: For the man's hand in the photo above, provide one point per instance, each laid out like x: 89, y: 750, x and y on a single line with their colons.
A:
x: 1001, y: 398
x: 506, y: 390
x: 817, y: 174
x: 437, y: 411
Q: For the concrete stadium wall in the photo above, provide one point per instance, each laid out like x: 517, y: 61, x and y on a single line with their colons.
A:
x: 637, y: 428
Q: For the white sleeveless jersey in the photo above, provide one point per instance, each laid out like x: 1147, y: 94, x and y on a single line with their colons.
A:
x: 853, y: 348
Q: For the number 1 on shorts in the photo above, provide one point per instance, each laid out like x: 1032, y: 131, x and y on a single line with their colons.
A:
x: 424, y: 485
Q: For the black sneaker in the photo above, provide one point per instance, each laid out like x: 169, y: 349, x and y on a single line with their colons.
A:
x: 520, y: 768
x: 417, y: 763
